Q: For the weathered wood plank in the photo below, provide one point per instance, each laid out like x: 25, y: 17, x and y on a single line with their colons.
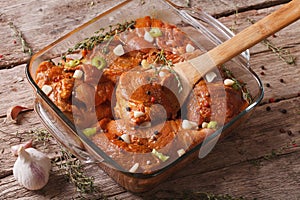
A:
x: 273, y: 179
x: 264, y: 135
x: 14, y: 89
x: 255, y: 142
x: 53, y: 19
x: 14, y: 83
x: 261, y: 160
x: 285, y: 38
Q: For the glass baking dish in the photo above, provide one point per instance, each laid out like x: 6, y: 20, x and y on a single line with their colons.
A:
x: 200, y: 27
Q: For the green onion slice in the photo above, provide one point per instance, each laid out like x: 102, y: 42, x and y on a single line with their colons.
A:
x: 89, y: 131
x: 155, y: 32
x: 72, y: 63
x: 212, y: 125
x: 161, y: 156
x: 98, y: 62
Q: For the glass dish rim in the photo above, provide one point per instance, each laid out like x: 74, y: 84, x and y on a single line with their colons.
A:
x: 245, y: 55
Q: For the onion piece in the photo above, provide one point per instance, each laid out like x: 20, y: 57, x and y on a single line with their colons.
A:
x: 78, y: 74
x: 47, y: 89
x: 119, y: 50
x: 148, y: 37
x: 210, y: 76
x: 189, y: 48
x: 134, y: 168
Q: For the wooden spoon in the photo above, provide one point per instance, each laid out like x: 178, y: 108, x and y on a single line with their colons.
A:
x: 192, y: 70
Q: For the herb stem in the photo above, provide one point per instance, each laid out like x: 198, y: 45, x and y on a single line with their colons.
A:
x: 18, y: 34
x: 283, y: 54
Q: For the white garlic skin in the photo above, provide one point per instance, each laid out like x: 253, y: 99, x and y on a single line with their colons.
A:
x: 32, y: 168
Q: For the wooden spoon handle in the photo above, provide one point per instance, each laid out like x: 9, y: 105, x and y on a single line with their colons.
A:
x: 247, y: 38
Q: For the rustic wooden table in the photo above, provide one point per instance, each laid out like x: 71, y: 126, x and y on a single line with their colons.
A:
x: 259, y: 160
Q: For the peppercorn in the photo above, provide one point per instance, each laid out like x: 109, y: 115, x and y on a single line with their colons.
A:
x: 284, y: 111
x: 268, y: 108
x: 281, y: 80
x: 262, y: 67
x: 119, y: 138
x: 268, y: 85
x: 156, y: 132
x: 148, y: 92
x: 282, y: 130
x: 128, y: 109
x: 289, y: 132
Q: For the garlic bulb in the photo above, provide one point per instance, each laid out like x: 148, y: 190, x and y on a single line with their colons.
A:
x: 32, y: 168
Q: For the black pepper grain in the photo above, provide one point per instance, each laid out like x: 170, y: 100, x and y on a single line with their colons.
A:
x: 262, y: 67
x: 148, y: 92
x: 156, y: 132
x: 284, y: 111
x: 282, y: 130
x: 289, y: 132
x: 262, y: 73
x: 119, y: 138
x: 268, y: 85
x: 268, y: 108
x: 281, y: 80
x: 128, y: 109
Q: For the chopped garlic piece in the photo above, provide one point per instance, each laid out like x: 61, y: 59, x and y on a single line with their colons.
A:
x: 189, y: 48
x: 186, y: 124
x: 204, y: 125
x: 145, y: 64
x: 148, y: 162
x: 180, y: 152
x: 47, y: 89
x: 148, y: 37
x: 228, y: 82
x: 118, y: 50
x: 162, y: 74
x: 159, y: 155
x: 125, y: 137
x: 134, y: 168
x: 78, y: 74
x: 137, y: 114
x: 210, y: 76
x: 111, y: 19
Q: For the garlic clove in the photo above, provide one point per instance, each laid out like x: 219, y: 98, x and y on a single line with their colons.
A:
x: 32, y: 168
x: 15, y: 149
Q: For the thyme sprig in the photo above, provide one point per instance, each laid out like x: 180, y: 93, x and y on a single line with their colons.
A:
x: 74, y: 171
x: 169, y: 64
x: 238, y: 85
x: 101, y: 36
x: 189, y: 194
x: 283, y: 54
x: 19, y: 35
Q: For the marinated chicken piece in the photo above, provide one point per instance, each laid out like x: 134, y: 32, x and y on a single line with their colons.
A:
x: 60, y: 82
x: 214, y: 102
x: 121, y: 142
x: 146, y: 97
x: 122, y: 64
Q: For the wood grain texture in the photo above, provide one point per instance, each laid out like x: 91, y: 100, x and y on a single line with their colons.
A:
x: 259, y: 160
